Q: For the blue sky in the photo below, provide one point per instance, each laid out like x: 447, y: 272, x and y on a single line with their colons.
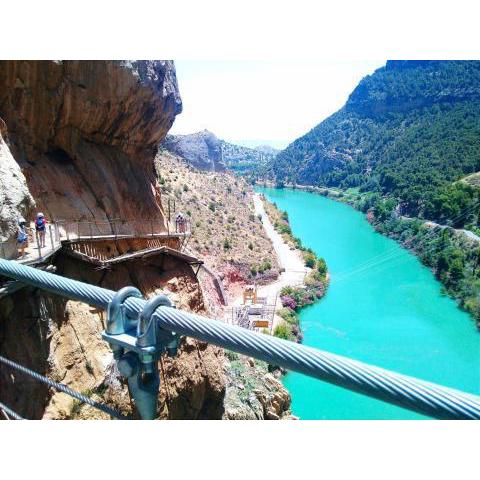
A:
x: 264, y: 102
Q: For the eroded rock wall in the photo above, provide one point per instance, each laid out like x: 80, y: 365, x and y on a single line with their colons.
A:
x: 15, y: 198
x: 85, y: 133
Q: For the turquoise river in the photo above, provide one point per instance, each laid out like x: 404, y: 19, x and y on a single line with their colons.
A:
x: 382, y: 307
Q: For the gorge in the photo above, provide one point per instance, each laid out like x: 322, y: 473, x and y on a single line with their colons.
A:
x: 382, y: 306
x: 86, y: 143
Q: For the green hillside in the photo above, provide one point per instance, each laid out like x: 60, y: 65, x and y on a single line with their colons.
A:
x: 407, y: 131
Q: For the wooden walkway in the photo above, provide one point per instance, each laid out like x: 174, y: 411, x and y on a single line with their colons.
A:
x: 139, y: 254
x: 33, y: 254
x: 99, y: 238
x: 34, y: 257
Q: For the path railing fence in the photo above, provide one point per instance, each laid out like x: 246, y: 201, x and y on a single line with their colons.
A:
x: 74, y: 230
x: 69, y: 230
x: 37, y: 245
x: 139, y: 331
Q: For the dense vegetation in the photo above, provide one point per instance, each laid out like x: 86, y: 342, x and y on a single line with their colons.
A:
x: 407, y: 132
x: 243, y: 160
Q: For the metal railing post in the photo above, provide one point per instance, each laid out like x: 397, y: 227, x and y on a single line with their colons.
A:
x: 39, y: 248
x: 51, y: 236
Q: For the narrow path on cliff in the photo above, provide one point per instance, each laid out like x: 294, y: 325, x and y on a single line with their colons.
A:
x: 34, y: 254
x: 290, y: 260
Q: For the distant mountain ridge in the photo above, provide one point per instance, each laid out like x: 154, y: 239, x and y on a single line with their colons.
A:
x: 202, y: 150
x: 243, y: 159
x: 205, y: 151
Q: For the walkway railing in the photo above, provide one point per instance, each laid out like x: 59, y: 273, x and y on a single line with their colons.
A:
x: 75, y: 230
x: 36, y: 249
x: 68, y: 230
x: 167, y: 323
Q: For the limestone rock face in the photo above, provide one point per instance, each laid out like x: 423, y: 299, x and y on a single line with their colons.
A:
x: 193, y: 383
x: 253, y: 393
x: 203, y: 150
x: 15, y: 198
x: 85, y: 133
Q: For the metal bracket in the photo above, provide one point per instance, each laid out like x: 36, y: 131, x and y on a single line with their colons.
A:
x: 117, y: 319
x: 137, y: 345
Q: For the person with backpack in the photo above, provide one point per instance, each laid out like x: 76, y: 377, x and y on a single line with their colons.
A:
x: 22, y: 237
x: 41, y: 228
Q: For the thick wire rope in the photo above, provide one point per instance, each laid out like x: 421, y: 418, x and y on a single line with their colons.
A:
x: 423, y: 397
x: 10, y: 413
x: 62, y: 388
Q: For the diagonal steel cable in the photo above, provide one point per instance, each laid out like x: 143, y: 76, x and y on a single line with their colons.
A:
x: 10, y: 413
x: 401, y: 390
x: 62, y: 388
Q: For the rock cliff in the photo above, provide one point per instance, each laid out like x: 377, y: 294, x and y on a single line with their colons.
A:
x: 62, y: 339
x: 15, y: 198
x: 82, y: 137
x: 84, y: 133
x: 203, y: 150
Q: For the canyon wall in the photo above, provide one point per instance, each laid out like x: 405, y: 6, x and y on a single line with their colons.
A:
x: 78, y: 141
x: 62, y: 339
x: 84, y: 133
x: 15, y: 198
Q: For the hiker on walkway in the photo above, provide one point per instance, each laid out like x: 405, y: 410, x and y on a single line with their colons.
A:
x: 41, y: 228
x: 180, y: 223
x: 22, y: 237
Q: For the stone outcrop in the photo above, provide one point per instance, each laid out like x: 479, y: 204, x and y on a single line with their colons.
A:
x: 202, y: 150
x: 15, y: 198
x: 85, y: 133
x: 253, y: 393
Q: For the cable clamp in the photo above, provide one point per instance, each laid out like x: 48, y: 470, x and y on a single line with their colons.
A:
x: 137, y: 345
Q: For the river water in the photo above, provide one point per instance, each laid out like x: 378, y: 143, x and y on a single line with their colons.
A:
x: 382, y: 307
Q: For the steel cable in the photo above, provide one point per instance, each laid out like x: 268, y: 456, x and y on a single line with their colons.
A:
x: 10, y: 412
x: 407, y: 392
x: 62, y: 388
